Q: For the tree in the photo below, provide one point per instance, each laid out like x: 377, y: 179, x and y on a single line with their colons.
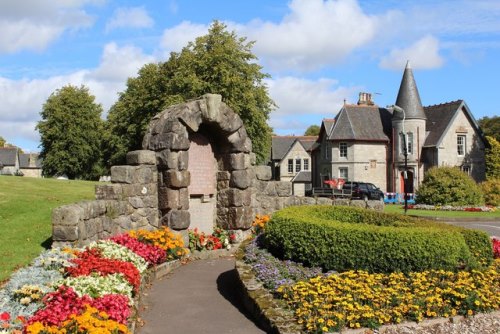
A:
x: 490, y: 126
x: 312, y: 130
x: 2, y: 141
x: 449, y: 186
x: 219, y: 62
x: 492, y: 157
x: 71, y: 131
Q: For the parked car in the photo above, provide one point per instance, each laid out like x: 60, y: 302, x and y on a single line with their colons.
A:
x: 363, y: 190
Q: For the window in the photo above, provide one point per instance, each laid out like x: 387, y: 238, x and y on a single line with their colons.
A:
x: 461, y: 145
x: 343, y: 173
x: 298, y: 165
x: 306, y: 164
x: 409, y: 138
x: 466, y: 169
x: 290, y: 165
x: 328, y: 151
x: 343, y: 150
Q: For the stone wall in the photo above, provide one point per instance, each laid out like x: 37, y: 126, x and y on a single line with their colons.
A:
x: 130, y: 202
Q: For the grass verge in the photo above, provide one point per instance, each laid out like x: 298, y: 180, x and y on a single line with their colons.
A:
x: 25, y: 216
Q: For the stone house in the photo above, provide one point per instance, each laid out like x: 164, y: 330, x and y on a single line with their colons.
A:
x: 291, y: 160
x: 14, y: 163
x: 365, y: 142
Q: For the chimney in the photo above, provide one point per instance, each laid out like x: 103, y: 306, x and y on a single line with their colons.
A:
x: 365, y: 99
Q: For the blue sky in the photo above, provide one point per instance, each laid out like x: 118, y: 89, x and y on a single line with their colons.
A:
x: 317, y: 52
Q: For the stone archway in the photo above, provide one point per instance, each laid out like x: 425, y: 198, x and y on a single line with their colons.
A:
x: 169, y: 135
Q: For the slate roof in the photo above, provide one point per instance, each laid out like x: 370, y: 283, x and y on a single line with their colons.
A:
x: 303, y: 176
x: 408, y: 97
x: 8, y: 156
x: 282, y: 144
x: 24, y: 161
x: 361, y: 122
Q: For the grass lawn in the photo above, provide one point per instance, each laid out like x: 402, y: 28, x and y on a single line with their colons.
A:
x: 25, y: 216
x: 391, y: 208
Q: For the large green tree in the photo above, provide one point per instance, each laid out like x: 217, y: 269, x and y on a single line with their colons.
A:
x: 219, y: 62
x: 490, y: 126
x: 312, y: 130
x: 70, y: 133
x: 492, y: 158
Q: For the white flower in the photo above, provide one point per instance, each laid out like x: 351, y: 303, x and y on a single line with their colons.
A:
x: 25, y: 300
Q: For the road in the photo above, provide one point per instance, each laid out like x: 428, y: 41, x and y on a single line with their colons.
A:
x: 491, y: 227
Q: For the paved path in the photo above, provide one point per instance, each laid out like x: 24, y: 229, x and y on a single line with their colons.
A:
x: 200, y: 297
x: 490, y: 227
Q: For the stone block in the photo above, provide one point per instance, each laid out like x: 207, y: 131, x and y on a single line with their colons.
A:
x: 150, y: 201
x: 263, y: 173
x: 168, y: 198
x: 270, y: 189
x: 239, y: 161
x: 241, y: 179
x: 324, y: 201
x: 136, y: 202
x: 284, y: 188
x: 240, y: 218
x: 183, y: 199
x: 223, y: 176
x: 64, y: 232
x: 141, y: 157
x: 122, y: 174
x: 108, y: 191
x: 358, y: 203
x: 145, y: 174
x: 307, y: 200
x: 179, y: 219
x: 129, y: 190
x: 235, y: 197
x: 93, y: 209
x: 67, y: 215
x: 239, y: 141
x: 177, y: 179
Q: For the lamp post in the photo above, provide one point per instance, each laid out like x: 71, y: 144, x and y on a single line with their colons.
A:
x: 405, y: 153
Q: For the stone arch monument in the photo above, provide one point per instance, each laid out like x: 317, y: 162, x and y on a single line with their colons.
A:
x: 204, y: 161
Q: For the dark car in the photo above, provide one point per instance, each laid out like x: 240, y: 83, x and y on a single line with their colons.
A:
x: 364, y: 191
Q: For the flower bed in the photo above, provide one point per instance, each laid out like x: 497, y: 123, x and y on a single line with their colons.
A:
x: 91, y: 290
x: 452, y: 208
x: 354, y: 299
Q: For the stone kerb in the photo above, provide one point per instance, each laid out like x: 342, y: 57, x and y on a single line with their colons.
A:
x: 129, y: 202
x: 168, y: 137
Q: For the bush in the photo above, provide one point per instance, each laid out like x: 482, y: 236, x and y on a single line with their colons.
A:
x: 448, y: 186
x: 491, y: 190
x: 345, y: 238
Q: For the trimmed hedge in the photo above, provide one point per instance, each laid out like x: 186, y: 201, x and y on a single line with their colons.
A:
x: 344, y: 238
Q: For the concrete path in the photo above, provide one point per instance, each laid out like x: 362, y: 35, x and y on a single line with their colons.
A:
x: 199, y: 297
x: 492, y: 227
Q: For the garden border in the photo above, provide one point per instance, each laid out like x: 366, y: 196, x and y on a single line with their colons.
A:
x: 271, y: 314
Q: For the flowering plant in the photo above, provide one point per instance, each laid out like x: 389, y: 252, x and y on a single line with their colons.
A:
x: 90, y: 261
x: 163, y: 238
x: 200, y: 241
x: 29, y: 294
x: 59, y: 305
x: 91, y: 320
x: 496, y: 247
x: 6, y: 326
x: 151, y: 253
x: 112, y: 250
x: 259, y: 223
x: 96, y: 286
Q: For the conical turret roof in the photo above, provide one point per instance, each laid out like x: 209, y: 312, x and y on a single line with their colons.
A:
x: 408, y: 97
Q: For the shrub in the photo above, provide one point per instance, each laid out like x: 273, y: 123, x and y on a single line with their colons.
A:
x: 491, y: 190
x: 448, y: 186
x: 344, y: 238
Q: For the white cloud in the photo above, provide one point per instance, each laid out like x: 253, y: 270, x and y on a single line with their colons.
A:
x: 174, y: 39
x: 26, y: 97
x: 303, y: 102
x: 134, y: 17
x: 423, y: 54
x: 33, y: 25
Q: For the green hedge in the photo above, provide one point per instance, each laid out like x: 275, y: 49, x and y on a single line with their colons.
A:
x: 344, y: 238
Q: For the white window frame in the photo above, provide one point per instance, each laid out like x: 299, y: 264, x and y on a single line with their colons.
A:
x: 343, y: 150
x: 298, y: 165
x: 306, y: 164
x: 409, y: 142
x: 466, y: 169
x: 344, y: 173
x: 461, y: 145
x: 290, y: 166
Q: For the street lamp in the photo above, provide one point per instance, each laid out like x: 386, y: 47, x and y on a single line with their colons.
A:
x: 405, y: 153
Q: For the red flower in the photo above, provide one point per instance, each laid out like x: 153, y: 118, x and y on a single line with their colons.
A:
x: 5, y: 316
x: 496, y: 247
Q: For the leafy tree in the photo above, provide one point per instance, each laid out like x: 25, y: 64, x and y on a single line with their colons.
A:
x: 2, y: 141
x: 312, y: 130
x: 492, y: 156
x: 491, y: 190
x: 490, y: 126
x: 448, y: 186
x: 219, y: 62
x: 71, y: 131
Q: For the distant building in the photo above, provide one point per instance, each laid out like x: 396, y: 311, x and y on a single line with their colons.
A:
x: 14, y: 163
x: 291, y: 160
x: 364, y: 142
